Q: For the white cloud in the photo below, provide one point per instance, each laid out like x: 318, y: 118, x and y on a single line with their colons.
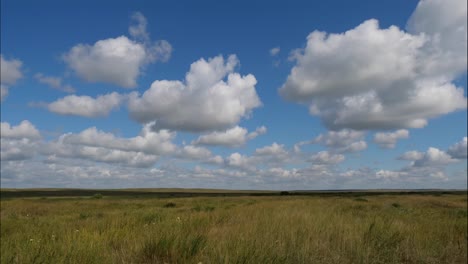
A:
x: 240, y: 161
x: 10, y: 70
x: 342, y: 141
x: 98, y: 154
x: 127, y: 158
x: 389, y: 140
x: 444, y: 21
x: 18, y: 142
x: 10, y: 73
x: 354, y: 147
x: 24, y: 130
x: 325, y: 157
x: 204, y: 102
x: 91, y: 144
x: 373, y: 78
x: 412, y: 155
x: 434, y: 157
x: 259, y: 131
x: 17, y: 149
x: 218, y: 160
x: 390, y: 175
x: 54, y: 82
x: 148, y: 141
x: 274, y: 51
x: 118, y: 60
x: 197, y: 153
x: 86, y: 106
x: 233, y: 137
x: 274, y: 149
x: 459, y: 150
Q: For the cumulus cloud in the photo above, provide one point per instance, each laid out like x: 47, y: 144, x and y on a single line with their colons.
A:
x: 213, y: 97
x: 95, y: 145
x: 17, y: 149
x: 10, y: 73
x: 342, y: 141
x: 148, y: 141
x: 390, y: 175
x: 389, y: 140
x: 433, y: 157
x: 98, y: 154
x: 273, y: 155
x: 197, y: 153
x: 117, y: 61
x: 374, y: 78
x: 18, y: 142
x: 240, y: 161
x: 412, y: 155
x: 120, y: 60
x: 274, y: 149
x: 325, y: 157
x: 54, y: 82
x: 86, y: 106
x: 444, y: 22
x: 459, y: 150
x: 24, y: 130
x: 233, y: 137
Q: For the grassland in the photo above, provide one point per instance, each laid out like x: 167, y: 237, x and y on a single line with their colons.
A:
x: 363, y: 228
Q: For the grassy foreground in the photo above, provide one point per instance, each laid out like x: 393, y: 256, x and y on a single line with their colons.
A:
x: 279, y: 229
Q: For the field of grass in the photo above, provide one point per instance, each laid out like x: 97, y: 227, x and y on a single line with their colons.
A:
x: 240, y: 229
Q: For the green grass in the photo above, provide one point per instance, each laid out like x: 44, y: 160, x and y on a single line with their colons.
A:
x: 277, y: 229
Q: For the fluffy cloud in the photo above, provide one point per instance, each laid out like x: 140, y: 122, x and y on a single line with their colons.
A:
x: 204, y: 102
x: 17, y: 149
x: 92, y: 144
x: 325, y: 157
x: 24, y: 130
x: 10, y: 73
x: 388, y: 140
x: 197, y: 153
x: 54, y: 82
x: 240, y: 161
x: 274, y: 149
x: 444, y: 22
x: 373, y: 78
x: 433, y: 157
x: 86, y: 106
x: 342, y: 141
x: 459, y: 150
x: 18, y: 142
x: 390, y: 175
x: 98, y: 154
x: 233, y: 137
x: 118, y: 60
x: 148, y: 142
x: 10, y: 70
x: 412, y: 155
x: 126, y: 158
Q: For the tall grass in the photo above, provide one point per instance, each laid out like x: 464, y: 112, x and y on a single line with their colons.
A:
x: 282, y: 229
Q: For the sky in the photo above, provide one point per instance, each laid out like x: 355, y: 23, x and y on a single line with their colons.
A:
x: 234, y: 95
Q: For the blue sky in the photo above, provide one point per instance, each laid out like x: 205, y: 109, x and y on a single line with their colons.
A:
x: 241, y: 95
